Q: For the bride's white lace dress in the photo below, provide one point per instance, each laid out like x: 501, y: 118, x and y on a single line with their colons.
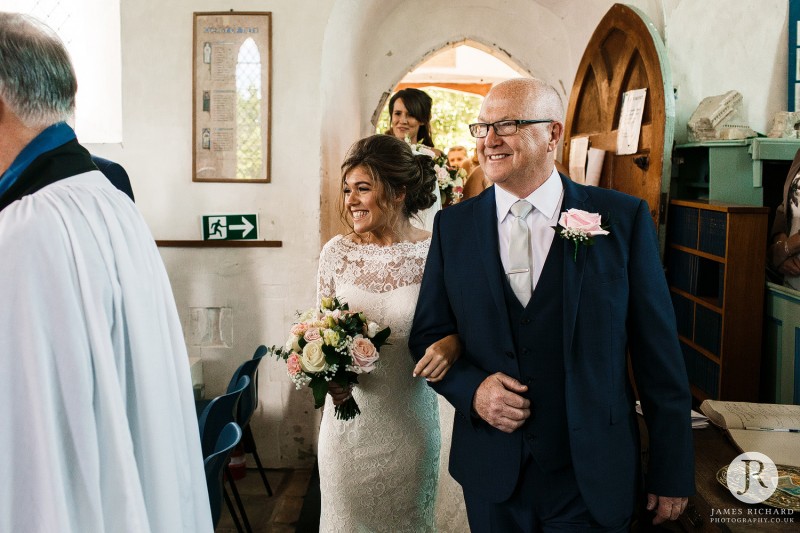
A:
x: 379, y: 471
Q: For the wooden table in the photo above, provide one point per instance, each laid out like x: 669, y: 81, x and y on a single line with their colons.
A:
x: 713, y: 507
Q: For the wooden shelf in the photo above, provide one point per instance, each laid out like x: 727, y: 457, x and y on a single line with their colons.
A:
x: 219, y: 244
x: 718, y: 308
x: 700, y: 349
x: 698, y: 394
x: 699, y: 253
x: 715, y: 205
x: 702, y: 300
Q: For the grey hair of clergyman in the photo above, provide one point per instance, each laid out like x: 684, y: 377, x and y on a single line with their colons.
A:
x: 37, y: 80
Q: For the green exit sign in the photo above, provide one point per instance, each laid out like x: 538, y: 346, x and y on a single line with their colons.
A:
x: 230, y: 227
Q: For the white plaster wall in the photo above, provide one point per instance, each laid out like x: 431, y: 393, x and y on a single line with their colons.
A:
x: 260, y: 287
x: 333, y: 60
x: 719, y: 45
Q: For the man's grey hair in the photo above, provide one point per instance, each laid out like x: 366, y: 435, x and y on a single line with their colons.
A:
x: 37, y: 80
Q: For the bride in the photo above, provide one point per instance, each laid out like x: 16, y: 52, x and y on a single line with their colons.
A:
x: 379, y: 471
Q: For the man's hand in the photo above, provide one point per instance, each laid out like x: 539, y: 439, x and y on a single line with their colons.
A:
x: 438, y: 358
x: 499, y: 403
x: 668, y: 508
x: 783, y: 254
x: 790, y: 267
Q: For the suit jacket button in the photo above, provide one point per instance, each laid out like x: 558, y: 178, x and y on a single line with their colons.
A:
x: 510, y: 355
x: 525, y: 321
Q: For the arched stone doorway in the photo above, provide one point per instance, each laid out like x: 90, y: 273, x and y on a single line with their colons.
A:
x: 369, y: 47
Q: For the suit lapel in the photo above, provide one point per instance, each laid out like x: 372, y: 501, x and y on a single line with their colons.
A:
x: 575, y: 197
x: 484, y: 218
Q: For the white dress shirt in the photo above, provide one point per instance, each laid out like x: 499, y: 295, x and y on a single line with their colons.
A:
x: 546, y: 201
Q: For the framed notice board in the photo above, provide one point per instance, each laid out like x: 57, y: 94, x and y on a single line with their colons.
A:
x: 232, y: 60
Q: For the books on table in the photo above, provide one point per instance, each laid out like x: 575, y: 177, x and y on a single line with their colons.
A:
x: 771, y: 429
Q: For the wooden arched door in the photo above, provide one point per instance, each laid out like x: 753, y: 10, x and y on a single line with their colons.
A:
x: 626, y: 53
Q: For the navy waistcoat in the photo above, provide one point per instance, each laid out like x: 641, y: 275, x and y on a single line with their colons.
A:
x: 538, y: 340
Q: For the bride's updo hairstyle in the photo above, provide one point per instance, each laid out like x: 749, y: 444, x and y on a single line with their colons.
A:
x: 394, y: 169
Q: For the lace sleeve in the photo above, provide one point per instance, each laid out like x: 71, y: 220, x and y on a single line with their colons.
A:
x: 326, y: 286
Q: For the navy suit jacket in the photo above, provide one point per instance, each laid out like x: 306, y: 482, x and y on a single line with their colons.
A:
x: 615, y: 299
x: 115, y: 174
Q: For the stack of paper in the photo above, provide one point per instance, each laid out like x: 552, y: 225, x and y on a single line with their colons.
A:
x: 699, y: 421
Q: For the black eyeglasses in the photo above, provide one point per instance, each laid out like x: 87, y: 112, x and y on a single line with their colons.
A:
x: 501, y: 127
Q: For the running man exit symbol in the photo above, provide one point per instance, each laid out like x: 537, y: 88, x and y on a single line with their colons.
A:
x: 230, y: 227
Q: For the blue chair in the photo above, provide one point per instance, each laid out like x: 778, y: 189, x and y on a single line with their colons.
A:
x: 247, y: 406
x: 243, y: 412
x: 214, y: 466
x: 260, y: 352
x: 216, y: 414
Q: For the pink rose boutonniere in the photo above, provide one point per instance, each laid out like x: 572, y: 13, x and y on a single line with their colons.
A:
x: 580, y: 227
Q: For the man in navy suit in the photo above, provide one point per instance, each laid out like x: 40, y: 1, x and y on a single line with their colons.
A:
x: 545, y: 436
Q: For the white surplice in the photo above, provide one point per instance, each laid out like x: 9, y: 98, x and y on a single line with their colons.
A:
x: 99, y: 427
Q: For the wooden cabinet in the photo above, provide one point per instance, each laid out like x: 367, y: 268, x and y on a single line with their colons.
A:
x: 780, y: 379
x: 715, y: 261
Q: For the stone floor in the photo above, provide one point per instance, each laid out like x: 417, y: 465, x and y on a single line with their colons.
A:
x: 280, y: 513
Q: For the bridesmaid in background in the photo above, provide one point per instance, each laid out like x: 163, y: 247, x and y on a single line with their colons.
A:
x: 410, y: 117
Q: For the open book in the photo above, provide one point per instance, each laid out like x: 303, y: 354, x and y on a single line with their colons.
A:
x: 771, y: 429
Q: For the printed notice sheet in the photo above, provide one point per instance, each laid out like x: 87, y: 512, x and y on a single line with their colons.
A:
x: 630, y: 121
x: 578, y: 147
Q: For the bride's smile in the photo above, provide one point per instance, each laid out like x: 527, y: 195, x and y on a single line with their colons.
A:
x: 376, y: 219
x: 361, y: 201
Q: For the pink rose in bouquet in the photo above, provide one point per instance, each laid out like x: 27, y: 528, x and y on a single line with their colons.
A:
x: 293, y: 365
x: 450, y: 179
x: 299, y: 329
x: 364, y: 354
x: 312, y: 334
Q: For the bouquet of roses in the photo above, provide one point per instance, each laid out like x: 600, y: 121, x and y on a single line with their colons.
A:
x: 332, y: 344
x: 450, y: 179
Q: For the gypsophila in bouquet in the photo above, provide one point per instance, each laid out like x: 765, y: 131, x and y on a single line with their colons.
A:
x: 450, y: 179
x: 335, y: 344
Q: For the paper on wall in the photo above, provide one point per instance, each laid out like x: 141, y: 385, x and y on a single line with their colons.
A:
x: 630, y: 121
x: 577, y: 158
x: 594, y: 166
